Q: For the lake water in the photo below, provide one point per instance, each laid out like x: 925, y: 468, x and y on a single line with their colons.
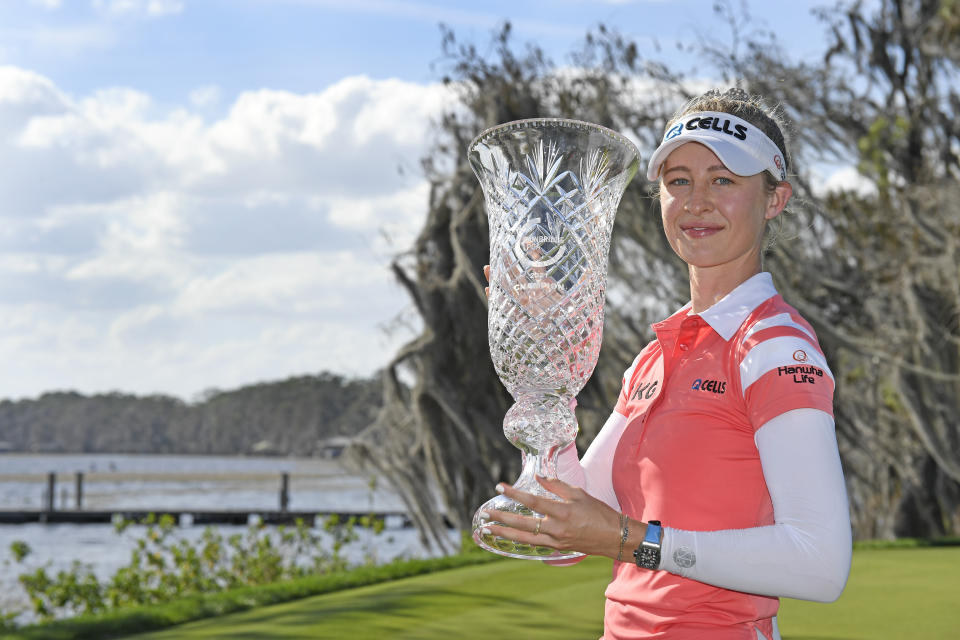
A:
x: 177, y: 483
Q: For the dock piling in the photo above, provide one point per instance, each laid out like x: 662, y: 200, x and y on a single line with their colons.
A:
x: 79, y: 490
x: 284, y: 491
x: 51, y: 492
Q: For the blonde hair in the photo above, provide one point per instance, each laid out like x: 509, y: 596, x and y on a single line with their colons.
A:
x: 751, y: 108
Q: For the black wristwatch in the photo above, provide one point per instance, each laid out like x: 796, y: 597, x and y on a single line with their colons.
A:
x: 647, y: 555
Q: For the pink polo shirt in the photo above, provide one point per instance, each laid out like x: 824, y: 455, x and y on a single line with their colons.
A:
x: 693, y: 399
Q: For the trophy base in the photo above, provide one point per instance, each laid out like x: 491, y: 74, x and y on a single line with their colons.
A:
x: 511, y: 548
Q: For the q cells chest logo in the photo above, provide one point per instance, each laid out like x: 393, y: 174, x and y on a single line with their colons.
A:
x: 800, y: 355
x: 714, y: 386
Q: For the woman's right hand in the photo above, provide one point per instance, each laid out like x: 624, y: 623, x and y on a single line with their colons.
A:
x: 486, y: 274
x: 576, y: 520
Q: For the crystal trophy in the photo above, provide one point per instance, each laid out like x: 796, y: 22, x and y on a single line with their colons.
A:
x: 551, y: 189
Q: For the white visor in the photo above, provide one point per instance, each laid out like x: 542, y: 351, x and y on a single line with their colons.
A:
x: 742, y: 148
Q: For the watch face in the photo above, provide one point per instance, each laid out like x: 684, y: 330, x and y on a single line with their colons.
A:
x: 647, y: 557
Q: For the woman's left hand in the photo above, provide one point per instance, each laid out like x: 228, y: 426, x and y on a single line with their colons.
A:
x: 577, y: 521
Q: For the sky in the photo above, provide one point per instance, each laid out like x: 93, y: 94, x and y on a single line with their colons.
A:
x: 204, y: 194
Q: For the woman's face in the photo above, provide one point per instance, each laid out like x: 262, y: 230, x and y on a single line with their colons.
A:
x: 712, y: 217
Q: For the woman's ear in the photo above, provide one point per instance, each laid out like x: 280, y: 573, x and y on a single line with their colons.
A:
x: 778, y: 200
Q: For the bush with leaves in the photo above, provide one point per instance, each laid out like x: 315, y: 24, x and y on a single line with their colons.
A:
x: 164, y: 567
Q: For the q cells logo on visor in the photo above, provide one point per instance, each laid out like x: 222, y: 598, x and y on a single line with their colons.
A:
x: 674, y: 131
x: 777, y: 160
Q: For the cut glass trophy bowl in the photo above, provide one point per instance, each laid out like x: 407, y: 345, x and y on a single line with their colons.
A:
x: 551, y: 189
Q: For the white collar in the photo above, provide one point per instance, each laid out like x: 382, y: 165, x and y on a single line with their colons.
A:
x: 727, y: 314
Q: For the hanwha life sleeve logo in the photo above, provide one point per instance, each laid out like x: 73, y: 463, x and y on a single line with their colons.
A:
x: 800, y: 355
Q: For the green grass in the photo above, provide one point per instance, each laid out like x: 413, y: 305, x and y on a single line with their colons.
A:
x: 892, y: 594
x: 509, y: 599
x: 895, y: 593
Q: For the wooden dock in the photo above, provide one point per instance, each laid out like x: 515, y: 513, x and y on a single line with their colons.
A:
x: 49, y: 514
x: 195, y: 517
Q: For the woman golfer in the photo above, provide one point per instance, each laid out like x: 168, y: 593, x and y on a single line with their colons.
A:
x: 715, y: 485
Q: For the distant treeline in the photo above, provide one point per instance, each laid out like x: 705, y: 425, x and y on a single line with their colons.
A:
x: 292, y: 416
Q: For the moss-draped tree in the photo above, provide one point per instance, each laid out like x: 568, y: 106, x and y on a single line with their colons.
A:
x: 875, y: 271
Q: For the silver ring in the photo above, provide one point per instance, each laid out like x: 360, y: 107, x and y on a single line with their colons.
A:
x: 539, y: 522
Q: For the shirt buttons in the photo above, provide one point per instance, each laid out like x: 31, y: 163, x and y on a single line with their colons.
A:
x: 684, y: 346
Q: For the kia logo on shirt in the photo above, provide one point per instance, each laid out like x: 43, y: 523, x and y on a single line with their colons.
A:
x: 646, y: 390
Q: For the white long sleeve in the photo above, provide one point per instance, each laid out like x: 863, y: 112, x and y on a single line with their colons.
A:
x: 594, y: 473
x: 806, y: 553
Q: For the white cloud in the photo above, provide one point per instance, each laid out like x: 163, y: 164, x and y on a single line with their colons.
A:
x: 139, y: 242
x: 399, y: 214
x: 294, y: 283
x: 149, y: 249
x: 266, y: 121
x: 391, y: 109
x: 28, y: 92
x: 145, y: 351
x: 847, y: 179
x: 99, y: 131
x: 349, y: 138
